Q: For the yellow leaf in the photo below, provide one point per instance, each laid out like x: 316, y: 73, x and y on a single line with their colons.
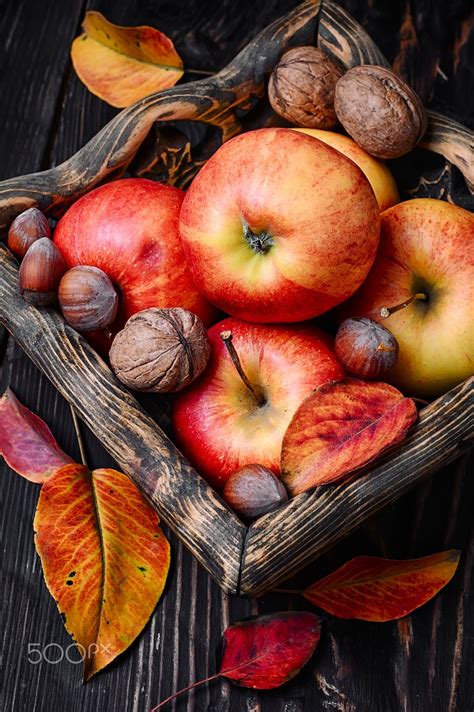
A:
x: 124, y: 64
x: 105, y: 559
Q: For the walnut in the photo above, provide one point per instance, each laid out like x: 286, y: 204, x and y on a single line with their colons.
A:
x: 160, y: 350
x: 301, y: 88
x: 380, y: 111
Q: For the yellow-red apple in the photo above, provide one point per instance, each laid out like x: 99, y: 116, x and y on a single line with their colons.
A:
x: 220, y: 424
x: 426, y: 255
x: 379, y: 176
x: 279, y: 227
x: 129, y: 229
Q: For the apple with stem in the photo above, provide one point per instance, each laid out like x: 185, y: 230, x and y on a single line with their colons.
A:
x: 421, y: 287
x: 279, y: 227
x: 382, y: 182
x: 236, y: 413
x: 129, y: 229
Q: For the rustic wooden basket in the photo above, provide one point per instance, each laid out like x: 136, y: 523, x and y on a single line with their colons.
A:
x: 242, y: 559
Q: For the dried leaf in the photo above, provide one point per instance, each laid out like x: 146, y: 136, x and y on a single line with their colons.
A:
x: 341, y: 427
x: 104, y: 557
x: 27, y: 443
x: 267, y: 651
x: 373, y: 589
x: 124, y: 64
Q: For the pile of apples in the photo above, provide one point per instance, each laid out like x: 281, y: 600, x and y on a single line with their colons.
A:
x: 278, y: 228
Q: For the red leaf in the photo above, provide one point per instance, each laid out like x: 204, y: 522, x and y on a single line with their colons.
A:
x: 26, y: 442
x: 267, y: 651
x: 341, y: 427
x: 373, y: 589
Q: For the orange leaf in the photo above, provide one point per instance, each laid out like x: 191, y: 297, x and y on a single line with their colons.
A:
x: 26, y: 442
x: 341, y: 427
x: 373, y: 589
x: 104, y: 557
x: 124, y: 64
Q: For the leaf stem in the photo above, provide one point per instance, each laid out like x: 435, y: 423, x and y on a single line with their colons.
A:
x: 80, y: 441
x: 198, y: 71
x: 185, y: 689
x: 423, y: 403
x: 226, y: 337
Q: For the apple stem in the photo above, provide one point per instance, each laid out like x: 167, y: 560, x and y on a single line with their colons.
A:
x: 226, y: 337
x: 80, y: 441
x: 385, y: 312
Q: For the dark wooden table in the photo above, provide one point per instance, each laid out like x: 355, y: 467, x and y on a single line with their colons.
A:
x: 422, y: 663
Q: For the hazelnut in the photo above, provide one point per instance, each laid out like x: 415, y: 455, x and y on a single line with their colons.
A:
x: 380, y: 111
x: 365, y: 348
x: 40, y: 272
x: 301, y: 88
x: 87, y: 298
x: 160, y: 350
x: 254, y: 490
x: 26, y: 228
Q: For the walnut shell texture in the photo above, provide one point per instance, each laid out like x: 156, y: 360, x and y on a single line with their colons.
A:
x: 160, y: 350
x: 380, y: 111
x: 301, y: 88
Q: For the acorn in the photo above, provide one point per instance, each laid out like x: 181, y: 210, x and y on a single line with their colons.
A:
x: 365, y: 348
x: 254, y: 490
x: 87, y: 298
x: 40, y: 272
x: 26, y: 228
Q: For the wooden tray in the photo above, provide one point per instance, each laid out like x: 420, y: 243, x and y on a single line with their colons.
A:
x: 242, y: 560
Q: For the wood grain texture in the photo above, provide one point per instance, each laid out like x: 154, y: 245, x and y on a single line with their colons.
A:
x: 422, y: 664
x: 181, y: 497
x: 310, y: 524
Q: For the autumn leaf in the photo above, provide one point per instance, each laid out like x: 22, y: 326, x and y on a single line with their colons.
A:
x: 124, y: 64
x: 105, y: 559
x: 266, y: 651
x: 342, y: 426
x: 27, y: 443
x: 374, y: 589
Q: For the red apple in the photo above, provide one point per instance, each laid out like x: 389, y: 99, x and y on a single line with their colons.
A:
x: 129, y: 229
x: 220, y: 425
x: 426, y: 261
x: 279, y: 227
